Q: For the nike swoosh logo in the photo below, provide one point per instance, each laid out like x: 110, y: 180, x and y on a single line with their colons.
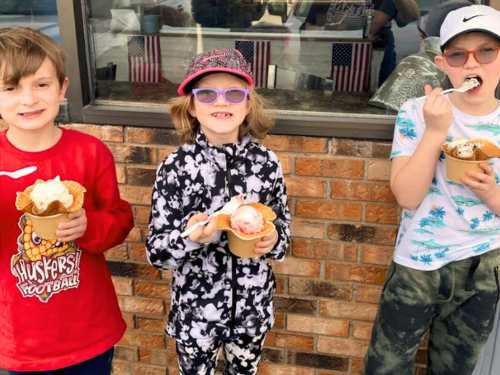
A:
x: 468, y: 19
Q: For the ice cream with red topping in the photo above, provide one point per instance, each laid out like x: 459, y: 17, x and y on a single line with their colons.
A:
x: 247, y: 219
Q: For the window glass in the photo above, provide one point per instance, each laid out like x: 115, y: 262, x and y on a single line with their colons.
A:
x: 37, y: 14
x: 320, y: 55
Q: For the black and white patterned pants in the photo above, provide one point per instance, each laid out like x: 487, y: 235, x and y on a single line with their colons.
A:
x: 241, y: 355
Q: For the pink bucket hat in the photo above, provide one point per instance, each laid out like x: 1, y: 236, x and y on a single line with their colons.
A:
x: 228, y: 60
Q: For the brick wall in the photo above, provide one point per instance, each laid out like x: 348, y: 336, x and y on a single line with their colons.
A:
x: 344, y: 226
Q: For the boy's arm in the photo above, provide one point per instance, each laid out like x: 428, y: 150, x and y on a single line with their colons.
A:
x: 165, y: 248
x: 110, y: 219
x: 411, y: 176
x: 279, y: 204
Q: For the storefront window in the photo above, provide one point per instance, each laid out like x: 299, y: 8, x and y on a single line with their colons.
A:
x: 316, y: 56
x: 37, y: 14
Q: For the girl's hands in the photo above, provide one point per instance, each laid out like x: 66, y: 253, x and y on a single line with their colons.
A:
x: 482, y: 183
x: 74, y: 228
x: 437, y: 111
x: 266, y: 243
x: 205, y: 233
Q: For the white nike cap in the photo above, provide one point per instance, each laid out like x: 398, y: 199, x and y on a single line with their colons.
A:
x: 470, y: 18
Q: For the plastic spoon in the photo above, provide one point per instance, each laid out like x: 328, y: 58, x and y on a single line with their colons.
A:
x: 228, y: 209
x: 19, y: 173
x: 466, y: 86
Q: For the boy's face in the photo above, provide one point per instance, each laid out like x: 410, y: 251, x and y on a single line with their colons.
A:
x: 488, y: 74
x: 220, y: 121
x: 33, y: 103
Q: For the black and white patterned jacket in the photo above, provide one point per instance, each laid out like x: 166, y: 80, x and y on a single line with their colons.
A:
x: 215, y: 293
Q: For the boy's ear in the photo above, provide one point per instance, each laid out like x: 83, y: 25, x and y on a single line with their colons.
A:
x: 64, y: 88
x: 440, y: 62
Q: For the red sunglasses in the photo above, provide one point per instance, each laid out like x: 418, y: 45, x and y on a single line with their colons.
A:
x: 458, y: 57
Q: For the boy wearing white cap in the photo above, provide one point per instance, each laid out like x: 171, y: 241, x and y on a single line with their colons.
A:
x: 444, y: 276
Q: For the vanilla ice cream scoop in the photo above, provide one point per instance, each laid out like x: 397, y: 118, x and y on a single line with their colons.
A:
x: 46, y: 192
x: 246, y: 219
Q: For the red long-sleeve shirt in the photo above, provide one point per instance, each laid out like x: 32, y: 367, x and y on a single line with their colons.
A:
x: 59, y: 309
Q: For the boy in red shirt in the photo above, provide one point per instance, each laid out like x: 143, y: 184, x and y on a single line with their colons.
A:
x: 59, y: 309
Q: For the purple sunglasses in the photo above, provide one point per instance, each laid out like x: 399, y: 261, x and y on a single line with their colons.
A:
x: 209, y: 95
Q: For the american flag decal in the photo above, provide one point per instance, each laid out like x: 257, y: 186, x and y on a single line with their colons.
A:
x: 351, y: 66
x: 258, y: 55
x: 144, y: 58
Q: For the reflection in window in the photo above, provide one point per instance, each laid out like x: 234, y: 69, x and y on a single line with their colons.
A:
x: 40, y: 15
x: 306, y: 55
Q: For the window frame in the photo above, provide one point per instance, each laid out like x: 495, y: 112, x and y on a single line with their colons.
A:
x: 73, y: 15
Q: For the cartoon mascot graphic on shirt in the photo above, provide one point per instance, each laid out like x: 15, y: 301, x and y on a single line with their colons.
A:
x: 44, y: 267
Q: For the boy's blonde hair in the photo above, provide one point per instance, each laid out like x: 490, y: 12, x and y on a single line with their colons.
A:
x: 23, y: 50
x: 256, y: 123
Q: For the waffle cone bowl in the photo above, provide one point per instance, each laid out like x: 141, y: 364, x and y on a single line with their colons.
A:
x: 456, y: 168
x: 243, y: 244
x: 45, y: 222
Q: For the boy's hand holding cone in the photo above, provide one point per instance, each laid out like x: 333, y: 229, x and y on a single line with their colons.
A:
x: 52, y: 205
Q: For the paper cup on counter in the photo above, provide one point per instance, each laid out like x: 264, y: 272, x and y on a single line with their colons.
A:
x: 242, y: 244
x: 45, y: 226
x: 457, y: 168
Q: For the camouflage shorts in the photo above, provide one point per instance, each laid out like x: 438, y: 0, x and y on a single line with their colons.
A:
x: 456, y: 304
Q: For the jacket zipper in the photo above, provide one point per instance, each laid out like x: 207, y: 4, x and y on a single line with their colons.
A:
x: 233, y: 257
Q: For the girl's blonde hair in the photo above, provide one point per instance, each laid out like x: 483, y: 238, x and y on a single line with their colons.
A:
x: 256, y: 123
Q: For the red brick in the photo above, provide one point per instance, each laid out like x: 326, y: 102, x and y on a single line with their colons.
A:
x: 381, y: 213
x: 121, y: 367
x: 141, y: 214
x: 121, y: 174
x: 136, y: 194
x: 117, y: 253
x: 150, y: 324
x: 143, y: 369
x: 296, y: 143
x: 362, y: 330
x: 332, y: 210
x: 320, y: 326
x: 341, y: 346
x: 267, y: 368
x: 154, y: 357
x: 306, y: 228
x: 105, y: 133
x: 361, y: 190
x: 317, y: 249
x: 376, y: 254
x: 347, y: 310
x: 346, y: 168
x: 141, y: 305
x: 143, y: 340
x: 379, y: 170
x: 366, y: 293
x: 311, y: 188
x: 152, y: 289
x: 286, y: 163
x: 137, y: 252
x: 290, y: 341
x: 319, y: 288
x: 135, y: 235
x: 296, y: 266
x: 123, y: 285
x: 355, y: 272
x: 150, y: 136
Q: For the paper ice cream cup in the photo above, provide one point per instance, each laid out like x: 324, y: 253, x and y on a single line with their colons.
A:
x: 456, y: 168
x: 243, y: 244
x: 244, y: 247
x: 45, y: 226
